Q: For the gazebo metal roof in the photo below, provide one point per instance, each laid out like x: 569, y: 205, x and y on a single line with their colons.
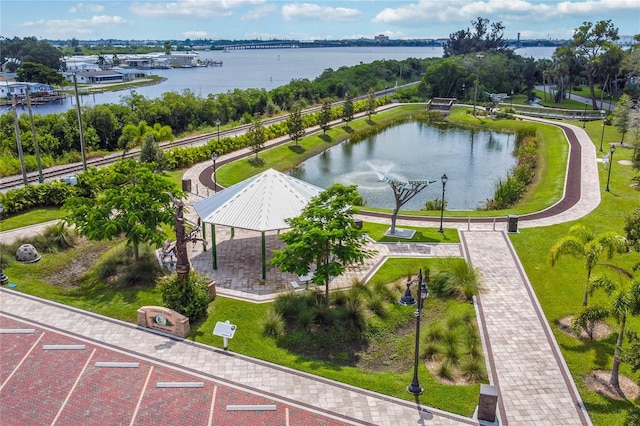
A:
x: 261, y: 203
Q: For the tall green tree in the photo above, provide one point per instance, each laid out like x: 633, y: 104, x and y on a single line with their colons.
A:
x: 256, y: 136
x: 623, y: 301
x: 583, y: 244
x: 445, y: 77
x: 295, y: 126
x: 38, y: 73
x: 347, y: 108
x: 622, y: 115
x: 324, y: 236
x: 485, y: 36
x: 371, y: 103
x: 324, y: 118
x: 135, y: 203
x: 590, y: 41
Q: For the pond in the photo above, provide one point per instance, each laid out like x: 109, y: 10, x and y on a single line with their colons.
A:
x: 473, y: 160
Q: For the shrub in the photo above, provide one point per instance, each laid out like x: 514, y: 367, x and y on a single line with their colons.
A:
x: 191, y: 299
x: 446, y: 371
x: 473, y: 370
x: 432, y: 351
x: 435, y: 204
x: 273, y: 324
x: 378, y: 306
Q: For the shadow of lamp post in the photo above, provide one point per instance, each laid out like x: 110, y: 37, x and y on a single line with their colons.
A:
x: 407, y: 299
x: 444, y: 180
x: 214, y: 157
x: 604, y: 121
x: 612, y: 150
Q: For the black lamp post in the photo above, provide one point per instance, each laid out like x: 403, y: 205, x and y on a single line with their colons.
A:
x: 214, y: 157
x: 511, y: 99
x: 584, y: 115
x: 444, y: 180
x: 604, y: 120
x: 422, y: 293
x: 218, y: 124
x: 612, y: 150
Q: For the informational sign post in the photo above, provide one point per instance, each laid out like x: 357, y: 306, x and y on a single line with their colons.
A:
x: 226, y: 330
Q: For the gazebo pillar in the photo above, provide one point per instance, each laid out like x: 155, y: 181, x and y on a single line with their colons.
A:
x: 214, y: 252
x: 264, y: 258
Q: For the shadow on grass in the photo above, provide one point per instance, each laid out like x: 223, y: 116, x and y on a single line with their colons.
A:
x: 419, y: 237
x: 256, y: 162
x: 298, y: 149
x: 326, y: 138
x: 602, y: 349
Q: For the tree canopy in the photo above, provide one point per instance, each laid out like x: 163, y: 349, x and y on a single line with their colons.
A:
x: 484, y: 36
x: 134, y: 204
x: 324, y: 236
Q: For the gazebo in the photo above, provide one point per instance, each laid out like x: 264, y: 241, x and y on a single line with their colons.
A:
x: 261, y: 203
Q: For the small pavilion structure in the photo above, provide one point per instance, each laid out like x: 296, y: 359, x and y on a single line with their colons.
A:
x: 261, y: 203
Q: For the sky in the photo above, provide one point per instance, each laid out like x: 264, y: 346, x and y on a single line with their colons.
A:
x: 303, y: 20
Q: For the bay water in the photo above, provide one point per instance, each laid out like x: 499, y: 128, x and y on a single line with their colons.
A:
x: 261, y: 69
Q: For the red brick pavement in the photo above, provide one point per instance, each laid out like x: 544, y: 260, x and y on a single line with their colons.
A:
x: 40, y: 387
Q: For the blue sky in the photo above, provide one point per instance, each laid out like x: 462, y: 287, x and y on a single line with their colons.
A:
x: 303, y: 20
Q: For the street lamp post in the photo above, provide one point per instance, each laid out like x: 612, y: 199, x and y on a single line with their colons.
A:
x: 422, y: 293
x: 612, y: 150
x: 511, y: 100
x: 604, y: 120
x: 443, y: 179
x: 584, y: 115
x: 214, y: 157
x: 475, y: 96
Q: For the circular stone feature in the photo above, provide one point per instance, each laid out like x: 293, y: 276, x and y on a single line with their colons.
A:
x: 27, y: 254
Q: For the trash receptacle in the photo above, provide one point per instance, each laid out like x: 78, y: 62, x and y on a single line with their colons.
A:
x: 512, y: 225
x: 186, y: 185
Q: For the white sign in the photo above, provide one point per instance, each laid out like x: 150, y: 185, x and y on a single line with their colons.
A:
x: 224, y: 329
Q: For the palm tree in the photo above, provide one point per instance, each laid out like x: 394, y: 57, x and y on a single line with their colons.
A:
x: 623, y: 301
x: 581, y: 243
x: 133, y: 135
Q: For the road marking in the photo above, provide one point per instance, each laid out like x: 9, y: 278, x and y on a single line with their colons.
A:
x: 64, y: 347
x: 22, y: 360
x: 251, y: 407
x: 213, y: 403
x: 180, y: 384
x: 146, y: 383
x: 64, y: 403
x: 118, y: 364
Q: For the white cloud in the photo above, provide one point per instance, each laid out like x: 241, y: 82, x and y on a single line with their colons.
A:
x: 195, y: 34
x: 89, y: 7
x: 78, y: 28
x: 463, y: 11
x: 259, y: 12
x: 313, y: 12
x: 192, y: 9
